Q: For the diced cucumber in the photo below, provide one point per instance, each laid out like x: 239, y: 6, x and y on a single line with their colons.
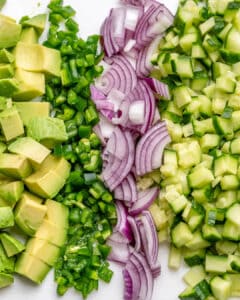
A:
x: 182, y: 66
x: 170, y: 157
x: 225, y: 164
x: 199, y: 81
x: 197, y: 241
x: 194, y: 257
x: 198, y: 51
x: 235, y: 146
x: 231, y: 231
x: 226, y: 247
x: 206, y: 26
x: 174, y: 257
x: 202, y: 289
x: 200, y: 177
x: 236, y: 120
x: 218, y: 105
x: 226, y: 199
x: 220, y: 69
x: 176, y: 201
x: 188, y: 153
x: 181, y: 234
x: 195, y: 216
x: 203, y: 126
x: 232, y: 42
x: 222, y: 126
x: 229, y: 182
x: 181, y: 96
x: 202, y: 195
x: 233, y: 213
x: 188, y: 294
x: 235, y: 263
x: 210, y: 233
x: 195, y: 275
x: 187, y: 40
x: 205, y: 108
x: 216, y: 263
x: 221, y: 288
x: 209, y: 141
x: 226, y: 83
x: 235, y: 287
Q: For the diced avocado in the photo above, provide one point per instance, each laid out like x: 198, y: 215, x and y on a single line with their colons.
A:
x: 3, y: 147
x: 6, y: 71
x: 31, y: 85
x: 27, y: 195
x: 46, y: 130
x: 43, y: 250
x: 49, y: 178
x: 6, y: 263
x: 6, y: 279
x: 37, y: 58
x: 29, y: 110
x: 29, y: 35
x: 6, y: 56
x: 11, y: 123
x: 6, y: 217
x: 29, y: 148
x: 8, y: 86
x: 29, y: 215
x: 9, y: 32
x: 11, y: 191
x: 51, y: 233
x: 4, y: 203
x: 14, y: 165
x: 57, y: 213
x: 31, y: 267
x: 38, y: 22
x: 11, y: 245
x: 5, y: 103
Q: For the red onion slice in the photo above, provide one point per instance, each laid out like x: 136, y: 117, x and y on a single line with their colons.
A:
x: 135, y: 232
x: 122, y: 225
x: 120, y: 251
x: 145, y: 199
x: 158, y: 87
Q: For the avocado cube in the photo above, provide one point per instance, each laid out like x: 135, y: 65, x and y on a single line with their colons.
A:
x: 43, y: 250
x: 6, y: 279
x: 4, y: 203
x: 5, y: 103
x: 11, y: 245
x: 6, y: 263
x: 6, y: 56
x: 11, y: 191
x: 14, y: 165
x: 29, y: 110
x: 31, y: 267
x: 29, y: 35
x: 6, y: 217
x: 37, y: 22
x: 29, y: 148
x: 31, y: 85
x: 8, y: 86
x: 11, y: 123
x: 9, y: 32
x: 51, y: 233
x: 48, y: 180
x: 57, y: 213
x: 6, y: 71
x: 37, y: 58
x: 29, y: 196
x: 48, y: 131
x: 29, y: 215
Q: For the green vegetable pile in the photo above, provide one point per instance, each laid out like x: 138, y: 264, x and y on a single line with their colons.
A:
x: 199, y: 200
x: 82, y: 261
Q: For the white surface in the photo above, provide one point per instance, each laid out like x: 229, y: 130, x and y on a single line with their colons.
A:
x: 90, y: 14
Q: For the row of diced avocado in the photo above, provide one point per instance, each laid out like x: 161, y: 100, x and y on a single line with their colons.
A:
x: 23, y: 62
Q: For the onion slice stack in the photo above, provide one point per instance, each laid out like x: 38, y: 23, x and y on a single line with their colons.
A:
x: 132, y: 134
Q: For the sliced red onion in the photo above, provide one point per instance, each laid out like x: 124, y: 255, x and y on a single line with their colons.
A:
x: 134, y: 2
x: 103, y: 129
x: 133, y: 14
x: 122, y: 225
x: 127, y: 190
x: 156, y: 271
x: 120, y: 252
x: 136, y: 112
x: 96, y: 94
x: 158, y: 87
x: 118, y: 16
x: 145, y: 199
x: 157, y: 117
x: 122, y: 115
x: 129, y: 45
x: 150, y: 148
x: 136, y: 234
x: 149, y: 238
x: 132, y: 283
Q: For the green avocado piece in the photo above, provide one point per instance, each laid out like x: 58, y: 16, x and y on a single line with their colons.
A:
x: 57, y: 213
x: 29, y: 215
x: 8, y: 86
x: 5, y: 103
x: 6, y: 71
x: 26, y: 195
x: 15, y: 165
x: 11, y: 192
x: 48, y: 131
x: 29, y: 35
x: 6, y: 56
x: 29, y: 148
x: 38, y: 22
x: 6, y: 217
x: 11, y: 123
x: 51, y: 233
x: 6, y: 279
x: 6, y: 263
x: 48, y: 180
x: 30, y: 85
x: 11, y: 245
x: 31, y: 267
x: 37, y: 58
x: 37, y: 109
x: 9, y: 32
x: 43, y: 250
